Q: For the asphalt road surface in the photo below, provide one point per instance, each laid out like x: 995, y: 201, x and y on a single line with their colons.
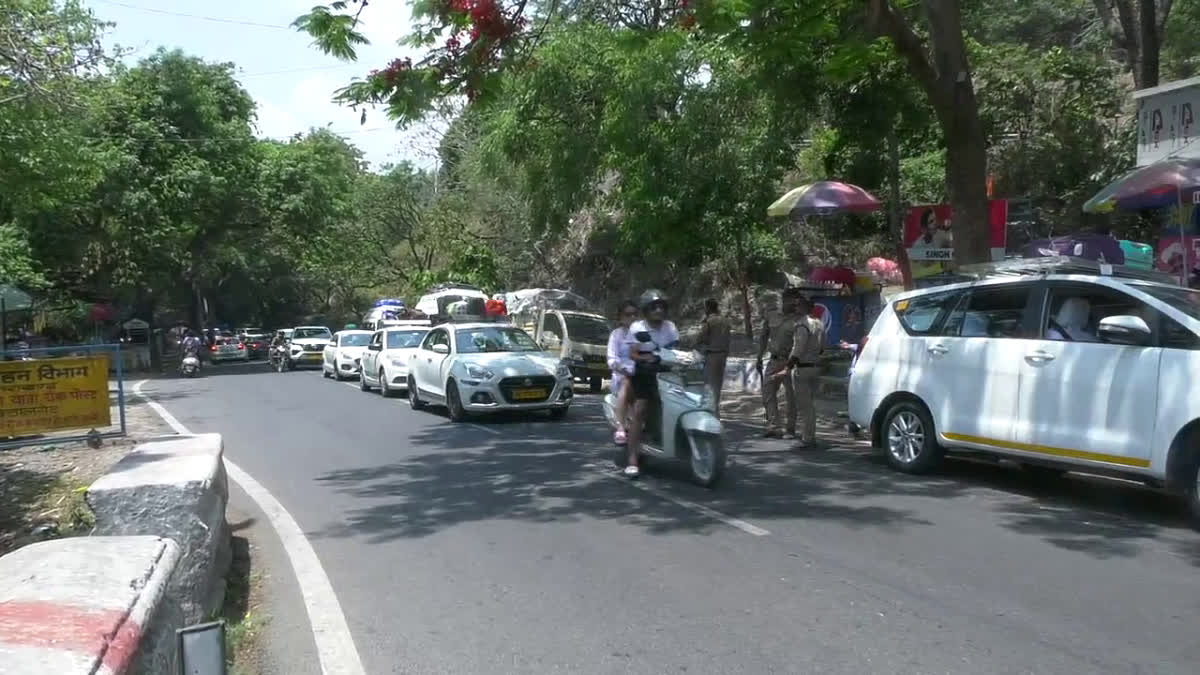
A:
x: 509, y: 546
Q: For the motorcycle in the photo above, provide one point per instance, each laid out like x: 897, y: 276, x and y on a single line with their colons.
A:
x: 279, y: 359
x: 190, y: 365
x: 681, y: 423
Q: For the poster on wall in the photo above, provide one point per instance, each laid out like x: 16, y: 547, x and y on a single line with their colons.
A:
x: 929, y: 236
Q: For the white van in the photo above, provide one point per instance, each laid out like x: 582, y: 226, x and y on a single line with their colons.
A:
x: 1057, y: 363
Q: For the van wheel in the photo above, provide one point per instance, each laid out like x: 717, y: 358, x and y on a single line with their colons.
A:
x: 909, y: 441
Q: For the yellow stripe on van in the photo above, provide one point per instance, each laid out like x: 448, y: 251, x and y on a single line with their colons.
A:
x: 1047, y: 450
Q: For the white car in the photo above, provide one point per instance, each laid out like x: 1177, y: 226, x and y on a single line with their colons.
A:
x: 343, y: 353
x: 228, y: 349
x: 386, y: 359
x: 306, y: 346
x: 486, y: 367
x: 1054, y: 366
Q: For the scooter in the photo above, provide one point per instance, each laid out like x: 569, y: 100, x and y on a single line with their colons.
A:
x: 190, y: 365
x: 681, y: 424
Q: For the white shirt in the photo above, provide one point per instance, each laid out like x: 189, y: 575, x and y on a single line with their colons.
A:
x: 665, y: 335
x: 619, y: 360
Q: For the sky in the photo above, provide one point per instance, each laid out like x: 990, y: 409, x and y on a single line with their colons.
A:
x: 292, y: 82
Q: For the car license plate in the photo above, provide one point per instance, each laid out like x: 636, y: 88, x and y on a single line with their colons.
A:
x: 526, y: 394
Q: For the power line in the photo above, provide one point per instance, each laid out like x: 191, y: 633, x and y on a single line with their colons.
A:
x: 200, y: 17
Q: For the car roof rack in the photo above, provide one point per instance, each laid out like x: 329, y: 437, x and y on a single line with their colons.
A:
x: 1061, y: 264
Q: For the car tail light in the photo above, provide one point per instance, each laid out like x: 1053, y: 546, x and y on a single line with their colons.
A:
x: 241, y: 346
x: 212, y: 348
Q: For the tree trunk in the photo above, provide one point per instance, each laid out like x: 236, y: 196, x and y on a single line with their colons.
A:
x: 944, y: 73
x: 743, y: 282
x: 966, y: 180
x: 1135, y: 28
x: 1148, y: 34
x: 896, y: 208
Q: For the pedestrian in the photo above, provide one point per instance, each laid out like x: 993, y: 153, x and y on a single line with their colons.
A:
x: 621, y: 364
x: 775, y: 343
x: 808, y: 342
x: 713, y: 342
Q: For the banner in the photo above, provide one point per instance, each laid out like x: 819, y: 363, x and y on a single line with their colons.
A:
x: 53, y: 394
x: 929, y: 236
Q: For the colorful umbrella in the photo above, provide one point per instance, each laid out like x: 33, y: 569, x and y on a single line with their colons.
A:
x: 824, y: 198
x: 1166, y: 183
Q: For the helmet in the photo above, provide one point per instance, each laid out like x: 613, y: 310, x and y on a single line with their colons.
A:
x: 651, y: 297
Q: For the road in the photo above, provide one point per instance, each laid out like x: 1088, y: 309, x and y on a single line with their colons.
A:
x: 508, y: 546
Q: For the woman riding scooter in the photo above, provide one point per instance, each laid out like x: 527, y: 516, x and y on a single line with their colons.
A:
x: 661, y: 334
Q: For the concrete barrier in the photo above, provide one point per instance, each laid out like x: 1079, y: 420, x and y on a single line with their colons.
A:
x: 173, y: 487
x: 89, y: 606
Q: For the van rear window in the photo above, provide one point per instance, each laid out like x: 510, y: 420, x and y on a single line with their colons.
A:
x: 923, y: 314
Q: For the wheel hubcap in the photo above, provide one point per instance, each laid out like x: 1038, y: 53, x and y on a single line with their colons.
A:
x: 906, y: 437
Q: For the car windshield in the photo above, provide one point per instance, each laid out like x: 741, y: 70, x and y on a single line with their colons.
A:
x: 494, y: 339
x: 587, y: 329
x: 309, y: 333
x: 1182, y: 299
x: 356, y: 340
x: 405, y: 339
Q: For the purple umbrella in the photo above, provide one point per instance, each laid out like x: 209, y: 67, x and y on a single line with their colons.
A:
x: 823, y: 198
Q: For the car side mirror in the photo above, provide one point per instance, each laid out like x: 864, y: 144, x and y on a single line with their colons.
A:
x: 375, y: 347
x: 441, y: 349
x: 1124, y: 329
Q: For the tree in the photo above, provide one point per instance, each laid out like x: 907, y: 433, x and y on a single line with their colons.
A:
x: 44, y: 45
x: 1137, y: 29
x: 175, y: 153
x: 940, y: 66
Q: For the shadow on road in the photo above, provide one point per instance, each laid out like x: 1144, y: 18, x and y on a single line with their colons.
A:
x: 547, y: 472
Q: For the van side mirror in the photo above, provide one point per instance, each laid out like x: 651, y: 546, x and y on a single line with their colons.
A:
x: 1124, y: 329
x: 441, y: 349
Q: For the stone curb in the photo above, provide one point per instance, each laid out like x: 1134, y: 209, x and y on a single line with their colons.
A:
x: 174, y: 487
x: 98, y: 606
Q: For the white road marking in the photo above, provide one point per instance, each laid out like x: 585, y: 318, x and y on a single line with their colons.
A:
x: 335, y: 644
x: 640, y: 484
x: 352, y: 385
x: 483, y: 428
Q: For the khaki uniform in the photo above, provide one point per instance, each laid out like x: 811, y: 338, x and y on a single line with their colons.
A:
x: 713, y: 341
x: 779, y: 329
x: 807, y: 343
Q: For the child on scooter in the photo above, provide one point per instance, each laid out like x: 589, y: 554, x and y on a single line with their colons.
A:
x: 621, y: 363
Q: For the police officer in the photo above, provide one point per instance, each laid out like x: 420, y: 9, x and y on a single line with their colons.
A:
x: 775, y: 342
x: 808, y: 341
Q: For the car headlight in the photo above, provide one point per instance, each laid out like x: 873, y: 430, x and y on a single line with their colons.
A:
x: 400, y: 363
x: 563, y: 370
x: 477, y: 372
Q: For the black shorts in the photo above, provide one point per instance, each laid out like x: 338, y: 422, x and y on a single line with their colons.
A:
x: 644, y: 383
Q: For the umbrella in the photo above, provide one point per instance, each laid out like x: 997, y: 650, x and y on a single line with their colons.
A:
x: 1154, y: 186
x: 823, y: 198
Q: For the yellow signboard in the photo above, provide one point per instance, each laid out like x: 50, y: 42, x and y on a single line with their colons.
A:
x: 52, y: 394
